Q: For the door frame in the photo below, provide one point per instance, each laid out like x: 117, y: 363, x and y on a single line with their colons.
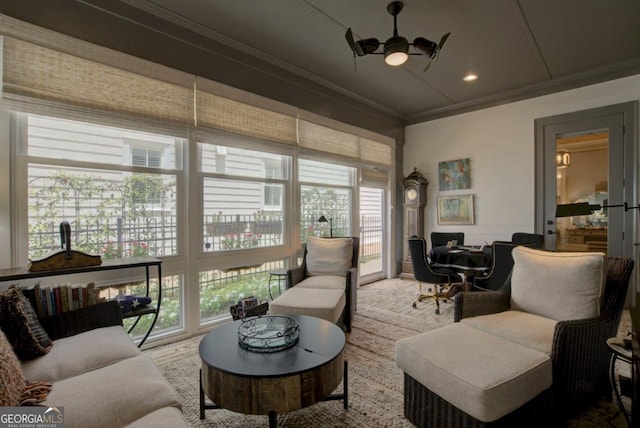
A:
x: 544, y: 143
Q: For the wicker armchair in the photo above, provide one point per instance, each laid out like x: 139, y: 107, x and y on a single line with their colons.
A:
x: 579, y: 355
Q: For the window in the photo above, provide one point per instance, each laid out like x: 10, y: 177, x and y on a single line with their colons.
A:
x: 145, y: 157
x: 242, y: 207
x: 145, y: 190
x: 325, y: 189
x: 75, y: 173
x: 221, y: 289
x: 272, y: 192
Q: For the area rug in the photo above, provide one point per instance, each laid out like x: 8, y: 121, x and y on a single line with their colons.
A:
x: 384, y: 315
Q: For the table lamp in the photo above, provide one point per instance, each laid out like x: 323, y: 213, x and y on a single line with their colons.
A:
x: 323, y: 219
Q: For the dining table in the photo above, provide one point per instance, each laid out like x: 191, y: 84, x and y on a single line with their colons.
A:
x: 468, y: 260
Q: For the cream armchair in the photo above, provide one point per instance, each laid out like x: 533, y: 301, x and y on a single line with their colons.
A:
x: 325, y: 284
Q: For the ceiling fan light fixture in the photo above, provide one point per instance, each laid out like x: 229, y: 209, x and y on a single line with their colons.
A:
x: 396, y: 51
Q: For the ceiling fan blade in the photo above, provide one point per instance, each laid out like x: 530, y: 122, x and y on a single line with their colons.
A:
x: 429, y: 61
x: 352, y: 43
x: 442, y: 40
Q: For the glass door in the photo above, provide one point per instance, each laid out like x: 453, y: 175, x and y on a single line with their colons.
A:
x: 372, y: 236
x: 587, y: 156
x: 582, y: 172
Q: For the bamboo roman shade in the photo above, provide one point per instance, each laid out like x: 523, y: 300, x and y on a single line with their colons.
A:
x: 261, y: 119
x: 375, y: 152
x: 45, y: 71
x: 318, y: 137
x: 37, y: 72
x: 373, y: 177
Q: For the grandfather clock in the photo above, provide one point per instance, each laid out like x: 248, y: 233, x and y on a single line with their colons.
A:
x: 414, y: 188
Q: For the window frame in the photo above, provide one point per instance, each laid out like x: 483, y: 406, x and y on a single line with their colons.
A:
x: 265, y: 253
x: 19, y: 123
x: 352, y: 187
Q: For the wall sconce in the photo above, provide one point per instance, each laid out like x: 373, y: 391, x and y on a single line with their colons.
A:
x: 563, y: 158
x: 323, y: 219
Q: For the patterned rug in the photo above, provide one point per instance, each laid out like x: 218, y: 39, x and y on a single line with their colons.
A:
x: 384, y: 315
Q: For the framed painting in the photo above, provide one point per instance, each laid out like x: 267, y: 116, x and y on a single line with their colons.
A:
x: 454, y: 175
x: 457, y: 209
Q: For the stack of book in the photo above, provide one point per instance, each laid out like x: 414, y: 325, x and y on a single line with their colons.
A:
x: 52, y: 300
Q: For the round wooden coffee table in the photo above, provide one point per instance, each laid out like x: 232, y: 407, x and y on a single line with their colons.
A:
x: 257, y: 383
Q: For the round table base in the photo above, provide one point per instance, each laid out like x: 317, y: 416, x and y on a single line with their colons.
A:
x: 262, y: 395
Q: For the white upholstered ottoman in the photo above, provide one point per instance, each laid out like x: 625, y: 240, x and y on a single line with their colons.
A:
x: 325, y: 303
x: 482, y: 375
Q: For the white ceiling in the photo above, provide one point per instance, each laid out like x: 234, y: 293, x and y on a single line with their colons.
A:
x: 519, y: 48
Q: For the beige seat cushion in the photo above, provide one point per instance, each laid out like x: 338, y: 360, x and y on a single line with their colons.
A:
x: 481, y: 374
x: 327, y: 304
x: 324, y: 281
x: 532, y: 331
x: 167, y: 417
x: 557, y: 285
x: 329, y: 256
x: 81, y: 353
x: 134, y: 387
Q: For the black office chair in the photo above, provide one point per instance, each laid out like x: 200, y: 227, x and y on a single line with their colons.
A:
x: 501, y: 266
x: 440, y: 239
x: 532, y: 240
x: 443, y: 289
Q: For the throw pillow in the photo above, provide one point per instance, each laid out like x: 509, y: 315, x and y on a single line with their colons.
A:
x: 329, y: 256
x: 11, y: 377
x: 26, y: 335
x: 557, y: 285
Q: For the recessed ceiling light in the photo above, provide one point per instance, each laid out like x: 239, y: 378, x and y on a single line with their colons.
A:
x: 470, y: 77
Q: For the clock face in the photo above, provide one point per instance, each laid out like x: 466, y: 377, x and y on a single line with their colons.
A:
x: 411, y: 194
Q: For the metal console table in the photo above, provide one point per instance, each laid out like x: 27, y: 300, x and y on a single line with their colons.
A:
x: 16, y: 274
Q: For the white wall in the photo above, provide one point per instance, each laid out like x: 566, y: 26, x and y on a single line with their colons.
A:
x: 500, y: 143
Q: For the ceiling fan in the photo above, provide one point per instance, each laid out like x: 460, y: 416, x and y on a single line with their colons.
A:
x: 396, y: 48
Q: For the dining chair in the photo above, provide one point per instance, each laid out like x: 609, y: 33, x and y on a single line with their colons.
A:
x: 528, y: 238
x: 440, y: 239
x: 501, y: 266
x: 443, y: 287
